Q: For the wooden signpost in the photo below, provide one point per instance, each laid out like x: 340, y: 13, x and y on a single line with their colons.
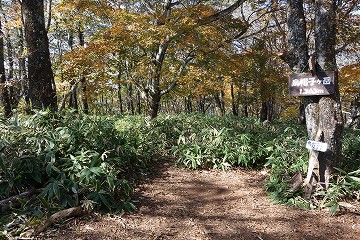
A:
x: 307, y: 84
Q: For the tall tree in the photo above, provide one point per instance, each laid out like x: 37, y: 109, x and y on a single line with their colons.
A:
x: 330, y: 125
x: 4, y: 88
x: 323, y: 113
x: 42, y: 91
x: 85, y: 104
x: 153, y: 89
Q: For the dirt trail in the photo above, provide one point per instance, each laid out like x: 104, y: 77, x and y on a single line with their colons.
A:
x: 185, y: 204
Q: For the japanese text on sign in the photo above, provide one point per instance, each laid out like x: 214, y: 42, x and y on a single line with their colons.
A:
x: 316, y: 146
x: 305, y: 84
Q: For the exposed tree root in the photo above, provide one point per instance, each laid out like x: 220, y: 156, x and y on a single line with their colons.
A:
x: 58, y: 216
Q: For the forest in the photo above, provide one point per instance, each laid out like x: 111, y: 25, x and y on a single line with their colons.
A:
x: 97, y: 96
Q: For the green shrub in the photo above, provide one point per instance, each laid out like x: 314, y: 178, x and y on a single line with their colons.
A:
x: 71, y: 157
x: 226, y: 142
x: 289, y: 157
x: 78, y: 159
x: 351, y: 149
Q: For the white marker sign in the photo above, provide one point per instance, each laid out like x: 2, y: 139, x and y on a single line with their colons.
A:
x: 316, y: 146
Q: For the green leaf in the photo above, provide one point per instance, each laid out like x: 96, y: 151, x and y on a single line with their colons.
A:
x: 96, y: 170
x: 355, y: 172
x: 340, y: 170
x: 2, y: 146
x: 85, y: 174
x: 37, y: 177
x: 2, y: 165
x: 38, y: 213
x: 56, y: 189
x: 71, y: 201
x: 110, y: 181
x: 11, y: 179
x: 105, y: 201
x: 43, y: 202
x: 333, y: 209
x: 74, y: 190
x: 129, y: 206
x: 48, y: 169
x: 356, y: 179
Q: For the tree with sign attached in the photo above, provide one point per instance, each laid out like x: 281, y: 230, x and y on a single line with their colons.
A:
x: 322, y: 102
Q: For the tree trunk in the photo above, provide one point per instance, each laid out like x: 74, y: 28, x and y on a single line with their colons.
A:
x: 120, y: 98
x: 154, y: 94
x: 355, y: 113
x: 188, y: 104
x: 301, y: 118
x: 201, y: 105
x: 4, y: 87
x: 246, y: 110
x: 42, y: 92
x: 70, y: 40
x: 130, y: 99
x: 270, y: 109
x: 85, y: 105
x: 267, y: 110
x: 263, y: 111
x: 245, y: 106
x: 234, y: 102
x: 330, y: 115
x: 73, y: 103
x: 84, y: 97
x: 15, y: 89
x: 119, y: 95
x: 154, y: 105
x: 24, y: 81
x: 219, y: 101
x: 138, y: 102
x: 297, y: 58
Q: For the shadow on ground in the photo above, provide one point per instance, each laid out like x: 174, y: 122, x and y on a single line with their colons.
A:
x: 176, y: 203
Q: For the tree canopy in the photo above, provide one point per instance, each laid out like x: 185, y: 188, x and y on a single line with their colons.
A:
x: 118, y: 54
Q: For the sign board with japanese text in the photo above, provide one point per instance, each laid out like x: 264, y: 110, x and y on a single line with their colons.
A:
x: 306, y: 84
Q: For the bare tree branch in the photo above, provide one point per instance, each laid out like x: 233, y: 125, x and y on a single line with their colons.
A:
x: 221, y: 14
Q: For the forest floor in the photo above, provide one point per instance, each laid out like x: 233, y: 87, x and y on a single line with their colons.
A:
x: 177, y: 203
